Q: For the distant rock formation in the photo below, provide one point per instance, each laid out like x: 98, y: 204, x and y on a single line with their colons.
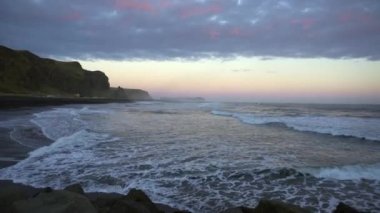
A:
x: 22, y: 72
x: 131, y: 94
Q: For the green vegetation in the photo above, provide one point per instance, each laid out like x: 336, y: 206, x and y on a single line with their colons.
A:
x: 24, y: 73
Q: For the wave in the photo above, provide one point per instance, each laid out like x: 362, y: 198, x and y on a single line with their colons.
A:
x: 66, y: 154
x: 62, y: 122
x: 364, y: 128
x: 350, y: 172
x: 29, y: 136
x: 22, y: 131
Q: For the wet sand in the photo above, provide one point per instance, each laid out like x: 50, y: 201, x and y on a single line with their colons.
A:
x: 10, y: 151
x: 11, y: 102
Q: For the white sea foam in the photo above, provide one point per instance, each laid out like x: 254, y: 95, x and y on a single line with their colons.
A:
x: 63, y: 155
x: 349, y: 172
x: 224, y: 113
x: 189, y: 157
x: 29, y: 136
x: 58, y: 123
x: 62, y: 122
x: 368, y: 128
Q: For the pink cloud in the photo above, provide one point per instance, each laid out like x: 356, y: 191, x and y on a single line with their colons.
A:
x: 345, y: 16
x: 355, y: 16
x: 306, y: 23
x: 213, y: 34
x: 225, y: 32
x: 201, y: 10
x: 139, y: 5
x: 164, y: 4
x: 236, y: 31
x: 239, y: 32
x: 73, y: 16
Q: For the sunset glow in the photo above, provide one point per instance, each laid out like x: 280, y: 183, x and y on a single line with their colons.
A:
x: 250, y: 79
x: 277, y: 51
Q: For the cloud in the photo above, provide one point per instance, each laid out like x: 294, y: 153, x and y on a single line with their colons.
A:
x: 242, y: 70
x: 193, y: 29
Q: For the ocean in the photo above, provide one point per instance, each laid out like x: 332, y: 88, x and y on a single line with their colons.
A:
x: 205, y: 157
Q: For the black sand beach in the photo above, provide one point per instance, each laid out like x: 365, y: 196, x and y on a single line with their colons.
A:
x: 11, y: 102
x: 10, y: 151
x: 16, y: 105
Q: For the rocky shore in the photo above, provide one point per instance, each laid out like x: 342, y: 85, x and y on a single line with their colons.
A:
x: 18, y: 198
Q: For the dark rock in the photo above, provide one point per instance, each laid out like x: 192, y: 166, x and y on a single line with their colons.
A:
x: 11, y: 192
x: 135, y: 201
x: 137, y: 95
x: 233, y: 210
x: 93, y: 196
x: 44, y: 190
x: 77, y: 188
x: 103, y: 201
x: 247, y: 210
x: 284, y: 173
x: 239, y: 210
x: 17, y: 198
x: 131, y: 94
x: 128, y: 206
x: 168, y: 209
x: 140, y: 197
x: 59, y: 201
x: 48, y: 190
x: 270, y: 206
x: 343, y: 208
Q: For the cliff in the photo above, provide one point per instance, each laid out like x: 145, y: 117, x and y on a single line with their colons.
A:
x: 22, y: 72
x: 131, y: 94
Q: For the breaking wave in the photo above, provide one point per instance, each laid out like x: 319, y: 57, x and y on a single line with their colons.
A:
x: 366, y: 128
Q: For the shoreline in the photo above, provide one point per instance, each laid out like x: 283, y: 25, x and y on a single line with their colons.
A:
x: 236, y: 210
x: 11, y: 151
x: 14, y: 101
x: 20, y: 198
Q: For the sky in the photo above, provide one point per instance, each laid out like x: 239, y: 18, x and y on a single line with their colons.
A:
x: 320, y: 51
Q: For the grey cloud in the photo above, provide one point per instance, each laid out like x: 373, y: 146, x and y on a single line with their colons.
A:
x: 168, y: 29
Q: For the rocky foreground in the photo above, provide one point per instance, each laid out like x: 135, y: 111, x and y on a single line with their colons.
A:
x: 18, y: 198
